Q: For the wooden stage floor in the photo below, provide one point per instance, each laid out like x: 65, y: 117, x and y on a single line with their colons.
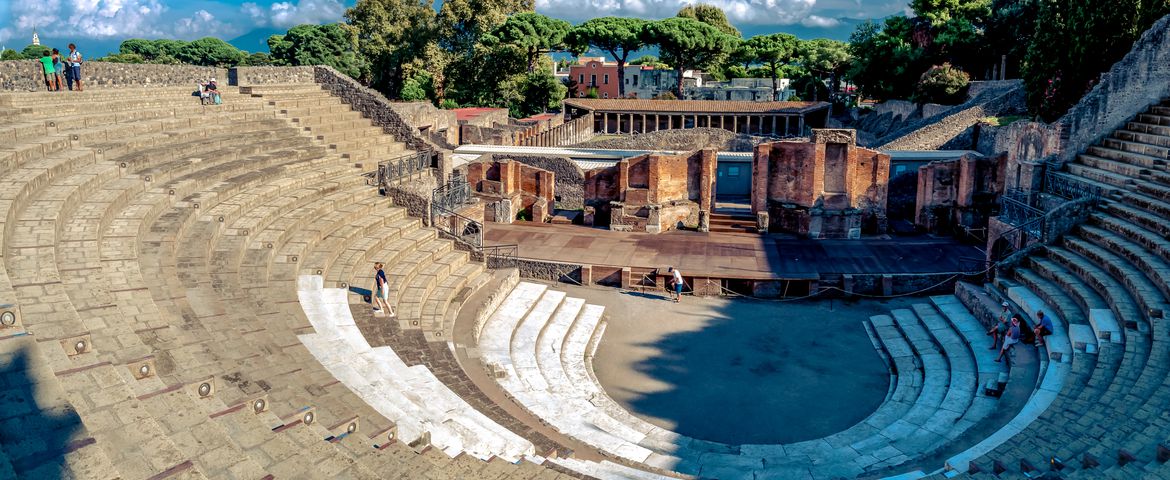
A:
x: 732, y: 255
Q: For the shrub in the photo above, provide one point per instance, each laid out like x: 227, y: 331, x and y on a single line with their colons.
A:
x: 412, y: 91
x: 942, y: 84
x: 448, y: 104
x: 667, y: 95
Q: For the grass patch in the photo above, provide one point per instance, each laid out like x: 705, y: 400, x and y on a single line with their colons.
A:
x: 1003, y: 121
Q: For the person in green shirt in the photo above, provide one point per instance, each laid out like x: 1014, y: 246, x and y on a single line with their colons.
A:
x: 50, y: 72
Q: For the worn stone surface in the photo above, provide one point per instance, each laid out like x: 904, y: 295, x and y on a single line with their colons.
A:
x: 820, y: 189
x: 627, y: 192
x: 244, y: 76
x: 26, y: 75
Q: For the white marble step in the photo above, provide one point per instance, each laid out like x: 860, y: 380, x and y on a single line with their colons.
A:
x: 417, y: 401
x: 518, y: 323
x: 550, y: 341
x: 1041, y: 398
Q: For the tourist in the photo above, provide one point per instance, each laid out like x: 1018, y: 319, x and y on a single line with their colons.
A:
x: 213, y: 91
x: 75, y: 65
x: 57, y: 70
x: 1009, y: 341
x: 381, y: 291
x: 1000, y: 329
x: 676, y: 283
x: 1043, y: 328
x: 50, y: 74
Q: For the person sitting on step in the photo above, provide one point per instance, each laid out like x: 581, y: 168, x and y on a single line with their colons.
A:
x: 1043, y: 328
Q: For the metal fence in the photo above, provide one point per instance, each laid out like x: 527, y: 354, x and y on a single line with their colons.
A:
x: 1066, y: 186
x: 404, y: 166
x: 501, y: 256
x: 446, y: 200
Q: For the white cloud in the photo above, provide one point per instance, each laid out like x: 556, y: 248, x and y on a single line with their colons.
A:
x: 759, y: 12
x: 287, y: 14
x: 818, y: 21
x: 107, y: 19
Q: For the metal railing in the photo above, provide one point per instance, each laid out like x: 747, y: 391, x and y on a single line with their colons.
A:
x: 1066, y: 186
x: 446, y: 200
x: 1016, y: 209
x: 404, y: 166
x: 501, y: 256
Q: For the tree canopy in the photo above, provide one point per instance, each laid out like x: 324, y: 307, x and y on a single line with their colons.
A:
x: 533, y: 33
x: 210, y: 51
x: 390, y: 35
x: 616, y: 36
x: 711, y: 15
x: 825, y: 59
x: 329, y: 44
x: 688, y: 44
x: 774, y: 51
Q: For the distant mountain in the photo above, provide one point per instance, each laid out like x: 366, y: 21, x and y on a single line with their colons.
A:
x: 256, y: 40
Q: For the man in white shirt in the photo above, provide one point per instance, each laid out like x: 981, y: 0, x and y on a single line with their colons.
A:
x: 676, y: 283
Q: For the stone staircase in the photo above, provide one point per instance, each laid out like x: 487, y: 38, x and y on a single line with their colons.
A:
x: 732, y: 223
x: 152, y: 247
x: 1108, y: 281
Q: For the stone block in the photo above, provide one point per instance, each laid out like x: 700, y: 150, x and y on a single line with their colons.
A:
x: 627, y: 278
x: 834, y: 135
x: 586, y: 274
x: 704, y: 221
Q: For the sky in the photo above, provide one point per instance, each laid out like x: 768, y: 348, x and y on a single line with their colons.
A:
x: 97, y: 26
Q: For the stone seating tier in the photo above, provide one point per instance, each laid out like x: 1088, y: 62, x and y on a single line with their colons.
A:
x: 144, y: 230
x: 540, y: 340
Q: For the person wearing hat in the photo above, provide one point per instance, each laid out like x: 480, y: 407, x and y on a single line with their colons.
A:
x: 1000, y: 329
x: 213, y: 91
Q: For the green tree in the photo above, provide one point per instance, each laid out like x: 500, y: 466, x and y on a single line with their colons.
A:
x: 825, y: 60
x: 412, y: 90
x: 462, y: 23
x: 258, y: 59
x: 532, y: 33
x: 774, y: 52
x: 619, y: 37
x: 686, y: 44
x: 33, y: 52
x: 210, y: 51
x: 539, y: 92
x: 1091, y: 34
x: 1009, y: 31
x: 10, y: 54
x: 939, y: 12
x: 327, y: 44
x: 147, y: 49
x: 943, y: 84
x: 711, y: 15
x: 886, y: 64
x: 123, y: 58
x: 390, y: 35
x: 649, y: 61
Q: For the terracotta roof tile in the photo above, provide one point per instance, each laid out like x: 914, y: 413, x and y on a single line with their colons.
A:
x: 691, y: 106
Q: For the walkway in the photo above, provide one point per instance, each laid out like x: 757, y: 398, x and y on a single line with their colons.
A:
x: 742, y: 256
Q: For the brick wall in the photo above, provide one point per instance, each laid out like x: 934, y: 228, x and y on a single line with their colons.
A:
x: 25, y: 75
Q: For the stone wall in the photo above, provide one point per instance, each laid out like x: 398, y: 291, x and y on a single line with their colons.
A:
x: 1141, y: 78
x: 440, y: 125
x: 246, y: 76
x: 943, y: 127
x: 570, y: 179
x: 414, y: 196
x: 26, y: 75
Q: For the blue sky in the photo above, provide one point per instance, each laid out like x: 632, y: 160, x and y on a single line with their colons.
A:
x: 97, y: 26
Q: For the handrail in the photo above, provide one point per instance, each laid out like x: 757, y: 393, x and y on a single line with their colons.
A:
x: 403, y: 166
x: 501, y: 256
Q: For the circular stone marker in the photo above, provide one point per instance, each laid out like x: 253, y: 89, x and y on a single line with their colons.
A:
x: 741, y: 371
